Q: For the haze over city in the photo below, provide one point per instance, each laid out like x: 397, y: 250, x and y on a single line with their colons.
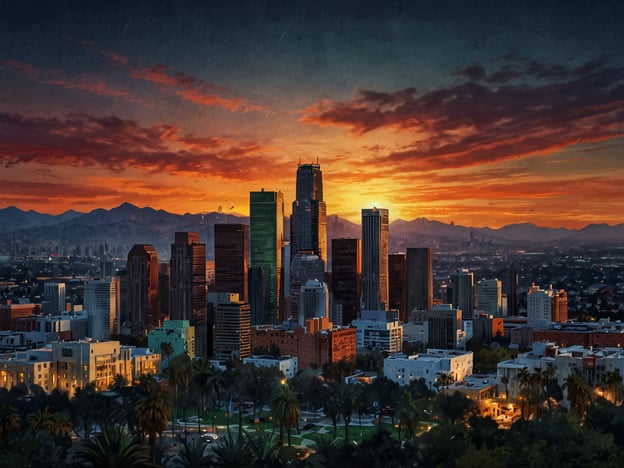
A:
x: 480, y: 114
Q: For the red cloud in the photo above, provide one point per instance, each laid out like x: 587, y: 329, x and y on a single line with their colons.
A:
x: 58, y: 79
x: 541, y: 108
x: 82, y: 140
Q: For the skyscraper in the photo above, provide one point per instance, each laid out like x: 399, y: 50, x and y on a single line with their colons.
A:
x: 232, y: 332
x: 305, y: 266
x: 308, y: 226
x: 142, y: 289
x: 187, y: 290
x: 54, y: 298
x: 489, y: 296
x: 419, y: 279
x: 512, y: 296
x: 397, y: 291
x: 266, y: 228
x: 375, y: 259
x: 462, y: 292
x: 101, y: 301
x: 231, y: 249
x: 545, y: 306
x: 347, y: 278
x: 314, y: 301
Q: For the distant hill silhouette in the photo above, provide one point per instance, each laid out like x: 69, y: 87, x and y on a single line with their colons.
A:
x: 128, y: 224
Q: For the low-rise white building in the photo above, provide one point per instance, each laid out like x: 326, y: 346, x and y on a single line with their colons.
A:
x: 378, y: 330
x: 593, y: 363
x: 403, y: 369
x: 287, y: 365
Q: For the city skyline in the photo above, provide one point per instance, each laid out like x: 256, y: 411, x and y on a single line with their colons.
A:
x: 473, y: 114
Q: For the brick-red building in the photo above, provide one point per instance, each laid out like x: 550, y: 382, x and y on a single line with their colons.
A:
x: 318, y: 342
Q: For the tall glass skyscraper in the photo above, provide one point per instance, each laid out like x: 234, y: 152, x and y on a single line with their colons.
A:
x: 266, y: 228
x: 419, y: 279
x: 308, y: 225
x: 375, y: 259
x: 187, y: 290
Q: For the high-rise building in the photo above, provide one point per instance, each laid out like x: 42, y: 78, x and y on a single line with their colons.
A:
x: 188, y: 290
x: 54, y: 298
x: 545, y: 306
x: 232, y: 332
x: 397, y: 284
x: 305, y: 266
x: 375, y: 259
x: 489, y: 296
x: 461, y: 292
x: 231, y: 249
x: 347, y: 278
x: 101, y: 301
x: 308, y: 226
x: 266, y: 229
x: 142, y: 289
x: 313, y: 301
x: 419, y: 279
x: 163, y: 288
x: 512, y: 296
x: 445, y: 326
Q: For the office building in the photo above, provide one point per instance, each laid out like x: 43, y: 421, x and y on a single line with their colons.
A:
x: 375, y: 259
x: 461, y: 292
x: 313, y: 301
x: 419, y: 278
x: 53, y: 298
x: 346, y: 278
x: 179, y: 337
x: 379, y: 330
x: 231, y: 250
x: 266, y: 230
x: 489, y: 297
x: 305, y: 266
x: 318, y: 342
x: 142, y: 311
x: 397, y: 284
x: 308, y: 225
x: 545, y: 306
x: 287, y: 365
x: 231, y: 338
x: 512, y: 294
x: 187, y: 287
x: 444, y: 324
x: 101, y: 301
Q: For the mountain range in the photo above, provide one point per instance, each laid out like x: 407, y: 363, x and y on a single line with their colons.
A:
x: 128, y: 224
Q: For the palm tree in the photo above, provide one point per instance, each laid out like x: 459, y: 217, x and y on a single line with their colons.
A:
x: 119, y: 381
x: 191, y: 455
x: 579, y: 392
x: 40, y: 420
x: 84, y: 407
x: 444, y: 380
x: 345, y: 397
x: 152, y: 412
x: 408, y: 414
x: 524, y: 377
x: 167, y: 350
x: 179, y: 375
x: 613, y: 380
x: 9, y: 420
x: 285, y: 407
x: 505, y: 382
x: 234, y: 452
x: 113, y: 448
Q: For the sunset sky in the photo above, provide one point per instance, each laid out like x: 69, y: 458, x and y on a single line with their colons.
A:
x: 480, y: 113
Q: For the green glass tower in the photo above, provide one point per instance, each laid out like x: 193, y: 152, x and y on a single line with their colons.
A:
x: 266, y: 228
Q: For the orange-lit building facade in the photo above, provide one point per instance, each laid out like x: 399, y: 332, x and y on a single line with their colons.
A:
x: 318, y: 342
